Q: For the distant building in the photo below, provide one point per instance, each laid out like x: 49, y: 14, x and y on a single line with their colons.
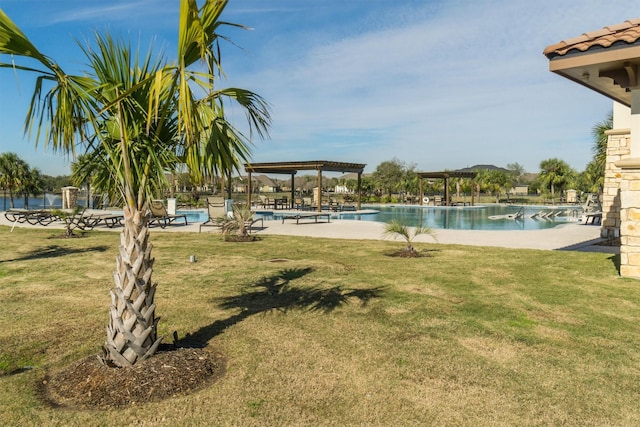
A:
x: 266, y: 184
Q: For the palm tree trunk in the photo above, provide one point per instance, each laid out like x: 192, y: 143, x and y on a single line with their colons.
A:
x: 132, y: 330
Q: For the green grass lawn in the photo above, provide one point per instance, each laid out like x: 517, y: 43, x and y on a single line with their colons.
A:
x: 335, y: 332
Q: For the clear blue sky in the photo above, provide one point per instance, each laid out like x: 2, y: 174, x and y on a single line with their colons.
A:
x: 438, y: 84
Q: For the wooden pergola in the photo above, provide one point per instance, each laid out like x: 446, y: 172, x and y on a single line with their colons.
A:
x: 445, y: 175
x: 291, y: 168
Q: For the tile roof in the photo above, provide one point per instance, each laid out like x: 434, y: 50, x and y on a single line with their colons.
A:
x: 627, y: 32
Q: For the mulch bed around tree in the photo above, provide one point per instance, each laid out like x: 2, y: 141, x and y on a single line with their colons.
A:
x: 403, y: 253
x: 238, y: 238
x: 89, y: 384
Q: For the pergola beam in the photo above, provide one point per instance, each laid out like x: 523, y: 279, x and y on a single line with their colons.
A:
x: 445, y: 175
x: 291, y: 168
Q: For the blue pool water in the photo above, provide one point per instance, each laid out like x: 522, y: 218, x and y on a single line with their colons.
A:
x: 469, y: 217
x: 461, y: 218
x: 194, y: 215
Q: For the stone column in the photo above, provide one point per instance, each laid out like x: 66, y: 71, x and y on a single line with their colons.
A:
x: 630, y: 196
x: 630, y: 220
x: 69, y: 197
x: 618, y: 148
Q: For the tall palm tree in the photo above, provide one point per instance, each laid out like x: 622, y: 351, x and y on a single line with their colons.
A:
x: 12, y: 169
x: 596, y: 168
x: 141, y: 116
x: 31, y: 183
x: 600, y: 139
x: 554, y: 173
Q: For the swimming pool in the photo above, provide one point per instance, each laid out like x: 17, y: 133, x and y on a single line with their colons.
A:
x: 454, y: 217
x: 472, y: 217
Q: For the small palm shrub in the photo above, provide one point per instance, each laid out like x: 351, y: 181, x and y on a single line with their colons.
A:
x: 234, y: 228
x: 397, y: 228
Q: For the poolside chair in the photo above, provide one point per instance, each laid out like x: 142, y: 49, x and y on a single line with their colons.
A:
x: 160, y: 216
x: 216, y: 210
x: 33, y: 217
x: 267, y: 202
x: 307, y: 204
x: 109, y: 219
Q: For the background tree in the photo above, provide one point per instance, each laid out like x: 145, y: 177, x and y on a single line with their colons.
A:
x: 555, y: 174
x: 592, y: 179
x: 496, y: 181
x: 12, y: 170
x: 410, y: 182
x: 141, y: 116
x: 31, y: 183
x: 388, y: 176
x: 516, y: 171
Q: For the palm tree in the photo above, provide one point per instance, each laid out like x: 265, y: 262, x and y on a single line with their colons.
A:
x: 140, y: 116
x: 398, y: 228
x: 554, y: 173
x: 237, y: 224
x: 600, y: 139
x: 31, y: 182
x: 498, y: 181
x: 12, y: 169
x: 594, y: 173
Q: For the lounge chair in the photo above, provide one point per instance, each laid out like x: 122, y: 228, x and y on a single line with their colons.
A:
x: 160, y: 216
x: 33, y: 217
x: 110, y: 219
x: 248, y: 225
x: 266, y: 202
x: 216, y: 210
x: 307, y: 204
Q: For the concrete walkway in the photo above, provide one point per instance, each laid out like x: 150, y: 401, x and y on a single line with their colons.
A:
x: 563, y: 237
x: 572, y: 236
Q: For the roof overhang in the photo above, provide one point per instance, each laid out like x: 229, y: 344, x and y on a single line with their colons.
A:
x: 612, y: 72
x: 291, y: 168
x: 606, y: 60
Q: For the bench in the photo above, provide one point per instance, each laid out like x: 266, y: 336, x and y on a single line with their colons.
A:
x: 300, y: 216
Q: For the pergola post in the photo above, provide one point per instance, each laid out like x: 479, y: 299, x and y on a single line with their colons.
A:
x: 319, y: 190
x: 421, y: 193
x: 359, y: 192
x: 446, y: 190
x: 293, y: 191
x: 249, y: 190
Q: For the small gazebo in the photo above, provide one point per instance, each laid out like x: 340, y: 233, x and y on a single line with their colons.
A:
x: 291, y: 168
x: 445, y: 176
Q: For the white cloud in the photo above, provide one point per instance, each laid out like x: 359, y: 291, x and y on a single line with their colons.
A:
x: 467, y: 86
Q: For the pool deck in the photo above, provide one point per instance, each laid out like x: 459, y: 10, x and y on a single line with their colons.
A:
x: 571, y: 236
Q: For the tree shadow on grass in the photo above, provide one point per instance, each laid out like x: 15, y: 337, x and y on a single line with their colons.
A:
x: 277, y: 293
x: 54, y: 251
